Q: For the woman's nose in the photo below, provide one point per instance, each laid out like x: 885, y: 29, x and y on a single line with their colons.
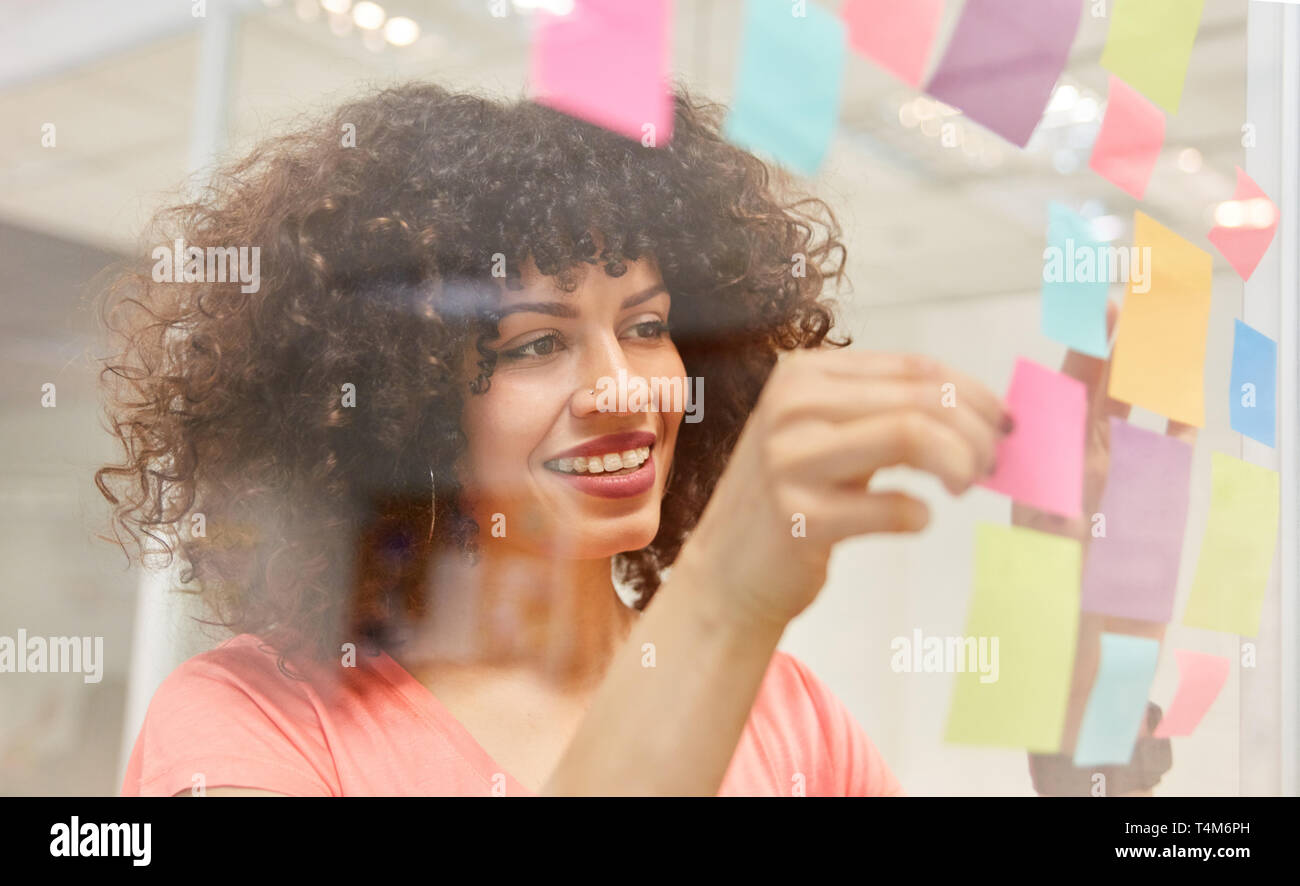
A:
x: 601, y: 371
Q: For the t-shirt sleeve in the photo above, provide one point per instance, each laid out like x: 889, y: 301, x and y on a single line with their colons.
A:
x: 859, y: 769
x: 222, y: 719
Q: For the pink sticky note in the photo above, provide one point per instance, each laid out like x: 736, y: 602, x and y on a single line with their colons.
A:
x: 1200, y: 678
x: 607, y: 62
x: 1040, y: 463
x: 1132, y: 134
x: 1245, y: 245
x: 896, y: 36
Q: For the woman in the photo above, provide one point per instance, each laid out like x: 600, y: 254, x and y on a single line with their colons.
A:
x: 401, y: 472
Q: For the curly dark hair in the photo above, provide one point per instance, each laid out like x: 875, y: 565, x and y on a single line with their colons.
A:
x: 377, y: 265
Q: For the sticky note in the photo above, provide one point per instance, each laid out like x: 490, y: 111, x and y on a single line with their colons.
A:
x: 896, y: 36
x: 1158, y: 359
x: 1150, y: 44
x: 1131, y: 567
x: 1252, y: 391
x: 1026, y: 595
x: 1040, y: 463
x: 1244, y: 245
x: 787, y: 96
x: 1075, y: 288
x: 1118, y: 700
x: 607, y: 62
x: 1200, y: 679
x: 1128, y: 145
x: 1237, y: 550
x: 1003, y: 61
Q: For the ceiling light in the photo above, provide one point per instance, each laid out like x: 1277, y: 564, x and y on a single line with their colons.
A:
x: 401, y: 31
x: 369, y: 15
x: 1189, y: 160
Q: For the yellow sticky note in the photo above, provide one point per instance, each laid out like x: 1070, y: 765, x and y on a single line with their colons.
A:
x: 1025, y: 606
x: 1150, y: 45
x: 1158, y: 361
x: 1237, y: 551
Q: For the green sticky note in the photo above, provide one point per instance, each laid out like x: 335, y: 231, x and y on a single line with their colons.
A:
x: 1026, y: 598
x: 1237, y: 551
x: 1150, y: 44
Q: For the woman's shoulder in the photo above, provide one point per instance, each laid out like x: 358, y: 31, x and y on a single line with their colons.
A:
x: 225, y: 712
x: 243, y: 662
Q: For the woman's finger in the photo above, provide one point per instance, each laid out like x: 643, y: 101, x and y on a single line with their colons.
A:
x: 865, y: 366
x: 843, y: 514
x: 843, y: 400
x: 858, y: 449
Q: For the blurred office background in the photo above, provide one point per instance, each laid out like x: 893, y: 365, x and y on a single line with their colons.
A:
x: 945, y: 257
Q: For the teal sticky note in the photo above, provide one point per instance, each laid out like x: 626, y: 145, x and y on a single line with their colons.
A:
x: 1118, y: 701
x: 1253, y: 390
x: 787, y: 97
x: 1075, y: 283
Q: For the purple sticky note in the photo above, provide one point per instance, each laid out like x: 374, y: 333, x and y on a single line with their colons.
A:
x: 1003, y: 61
x: 1132, y: 570
x: 1040, y: 463
x: 607, y: 62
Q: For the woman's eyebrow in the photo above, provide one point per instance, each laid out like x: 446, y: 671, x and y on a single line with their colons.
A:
x: 560, y: 309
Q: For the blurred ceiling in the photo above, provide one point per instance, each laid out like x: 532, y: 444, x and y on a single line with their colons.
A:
x: 922, y: 221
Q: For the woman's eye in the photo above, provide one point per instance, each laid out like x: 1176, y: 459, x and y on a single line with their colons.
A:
x: 538, y: 347
x: 650, y: 329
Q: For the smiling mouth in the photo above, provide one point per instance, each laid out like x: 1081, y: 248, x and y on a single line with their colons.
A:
x: 610, y: 464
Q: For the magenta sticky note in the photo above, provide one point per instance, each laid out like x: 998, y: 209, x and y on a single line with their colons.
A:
x: 897, y: 36
x: 607, y: 62
x: 1136, y: 535
x: 1245, y: 244
x: 1128, y: 145
x: 1040, y: 463
x: 1200, y: 679
x: 1003, y: 61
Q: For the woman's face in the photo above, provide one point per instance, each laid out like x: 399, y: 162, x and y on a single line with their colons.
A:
x: 552, y: 468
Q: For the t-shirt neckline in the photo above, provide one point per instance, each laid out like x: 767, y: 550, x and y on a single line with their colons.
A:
x: 433, y: 710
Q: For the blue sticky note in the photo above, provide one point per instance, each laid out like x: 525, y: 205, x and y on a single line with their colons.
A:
x: 1253, y: 390
x: 1118, y: 701
x: 1075, y: 284
x: 787, y: 96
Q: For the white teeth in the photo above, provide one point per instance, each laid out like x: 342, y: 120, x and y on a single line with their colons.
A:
x: 599, y: 464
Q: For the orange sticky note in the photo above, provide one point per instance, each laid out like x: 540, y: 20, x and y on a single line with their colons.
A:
x: 1128, y: 145
x: 896, y: 36
x: 1200, y: 679
x: 1158, y: 359
x: 1244, y: 244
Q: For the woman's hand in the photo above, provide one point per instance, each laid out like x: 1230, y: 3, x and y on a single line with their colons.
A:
x: 1095, y: 374
x: 798, y: 480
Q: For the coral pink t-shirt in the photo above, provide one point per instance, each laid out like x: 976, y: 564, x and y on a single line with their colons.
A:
x: 232, y: 717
